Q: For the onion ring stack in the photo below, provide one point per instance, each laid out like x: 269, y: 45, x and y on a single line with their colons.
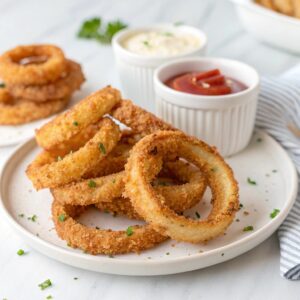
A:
x: 150, y: 172
x: 39, y: 80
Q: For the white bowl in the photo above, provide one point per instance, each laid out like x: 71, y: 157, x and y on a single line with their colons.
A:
x: 269, y: 26
x: 136, y: 71
x: 226, y: 121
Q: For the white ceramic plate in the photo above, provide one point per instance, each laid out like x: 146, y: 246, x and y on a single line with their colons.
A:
x: 271, y: 27
x: 263, y: 161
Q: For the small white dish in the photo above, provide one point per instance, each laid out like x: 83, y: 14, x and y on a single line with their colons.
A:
x: 225, y: 121
x: 276, y: 29
x: 136, y: 70
x: 276, y: 188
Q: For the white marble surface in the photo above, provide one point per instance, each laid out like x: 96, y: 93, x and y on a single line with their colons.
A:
x: 254, y: 275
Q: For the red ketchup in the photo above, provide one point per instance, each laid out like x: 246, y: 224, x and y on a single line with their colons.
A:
x: 208, y: 83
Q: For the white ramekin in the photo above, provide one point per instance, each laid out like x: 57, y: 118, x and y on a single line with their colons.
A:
x: 227, y: 121
x: 136, y: 71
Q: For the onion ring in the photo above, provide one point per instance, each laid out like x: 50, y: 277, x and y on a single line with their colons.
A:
x: 84, y: 113
x: 62, y: 87
x: 19, y: 111
x: 145, y: 162
x: 107, y: 188
x: 13, y: 72
x: 138, y: 119
x: 45, y: 172
x: 101, y: 241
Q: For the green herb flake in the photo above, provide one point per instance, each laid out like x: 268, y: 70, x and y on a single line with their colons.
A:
x: 259, y: 140
x: 21, y: 215
x: 114, y: 181
x: 93, y: 29
x: 146, y: 43
x: 251, y: 181
x: 62, y: 218
x: 178, y: 23
x: 129, y: 231
x: 47, y: 283
x: 248, y: 228
x: 168, y: 34
x: 59, y: 158
x: 111, y: 256
x: 102, y: 148
x: 222, y: 254
x: 21, y: 252
x: 32, y: 218
x: 2, y: 85
x: 75, y: 123
x: 49, y: 297
x: 197, y: 215
x: 75, y: 278
x: 241, y: 205
x: 274, y: 213
x: 168, y: 253
x: 92, y: 184
x: 274, y: 171
x: 214, y: 169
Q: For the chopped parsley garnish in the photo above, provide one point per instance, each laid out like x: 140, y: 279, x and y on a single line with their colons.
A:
x: 197, y: 215
x: 129, y: 231
x: 2, y: 85
x: 222, y: 254
x: 146, y: 43
x: 168, y: 253
x: 241, y: 205
x: 259, y: 140
x: 75, y: 123
x: 21, y: 252
x: 47, y: 283
x: 62, y: 218
x: 32, y: 218
x: 251, y: 181
x: 178, y: 23
x: 168, y: 34
x: 49, y: 297
x: 102, y: 148
x: 92, y: 184
x: 274, y: 171
x: 21, y: 215
x: 110, y: 256
x: 95, y: 29
x: 214, y: 169
x: 274, y: 213
x: 75, y: 278
x: 114, y: 181
x: 248, y: 228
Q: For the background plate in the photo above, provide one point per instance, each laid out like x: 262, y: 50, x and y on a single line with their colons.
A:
x: 263, y: 161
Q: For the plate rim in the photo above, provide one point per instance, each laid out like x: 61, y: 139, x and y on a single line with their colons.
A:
x: 254, y: 238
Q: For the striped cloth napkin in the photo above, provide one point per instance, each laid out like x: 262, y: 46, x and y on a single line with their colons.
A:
x: 279, y: 115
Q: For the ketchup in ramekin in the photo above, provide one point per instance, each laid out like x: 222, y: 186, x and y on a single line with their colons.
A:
x: 210, y: 82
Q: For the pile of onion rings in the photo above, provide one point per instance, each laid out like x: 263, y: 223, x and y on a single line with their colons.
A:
x: 38, y: 82
x: 150, y: 172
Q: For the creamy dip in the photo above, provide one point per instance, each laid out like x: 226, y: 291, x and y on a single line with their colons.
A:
x: 161, y: 43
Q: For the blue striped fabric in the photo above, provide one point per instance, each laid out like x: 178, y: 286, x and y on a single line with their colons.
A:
x: 278, y: 107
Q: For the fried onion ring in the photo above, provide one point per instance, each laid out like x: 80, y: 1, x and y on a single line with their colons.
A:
x: 45, y: 172
x: 70, y: 123
x: 19, y: 111
x: 13, y: 72
x: 101, y: 241
x: 144, y: 163
x: 138, y: 119
x: 107, y: 188
x: 62, y: 87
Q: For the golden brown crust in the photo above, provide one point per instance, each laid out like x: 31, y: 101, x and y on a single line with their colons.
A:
x: 63, y: 87
x: 20, y: 111
x: 138, y: 119
x: 101, y: 241
x: 13, y: 72
x: 86, y: 112
x: 145, y: 162
x: 45, y: 172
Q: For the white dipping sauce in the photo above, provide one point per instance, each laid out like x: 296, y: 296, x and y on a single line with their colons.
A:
x: 161, y: 43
